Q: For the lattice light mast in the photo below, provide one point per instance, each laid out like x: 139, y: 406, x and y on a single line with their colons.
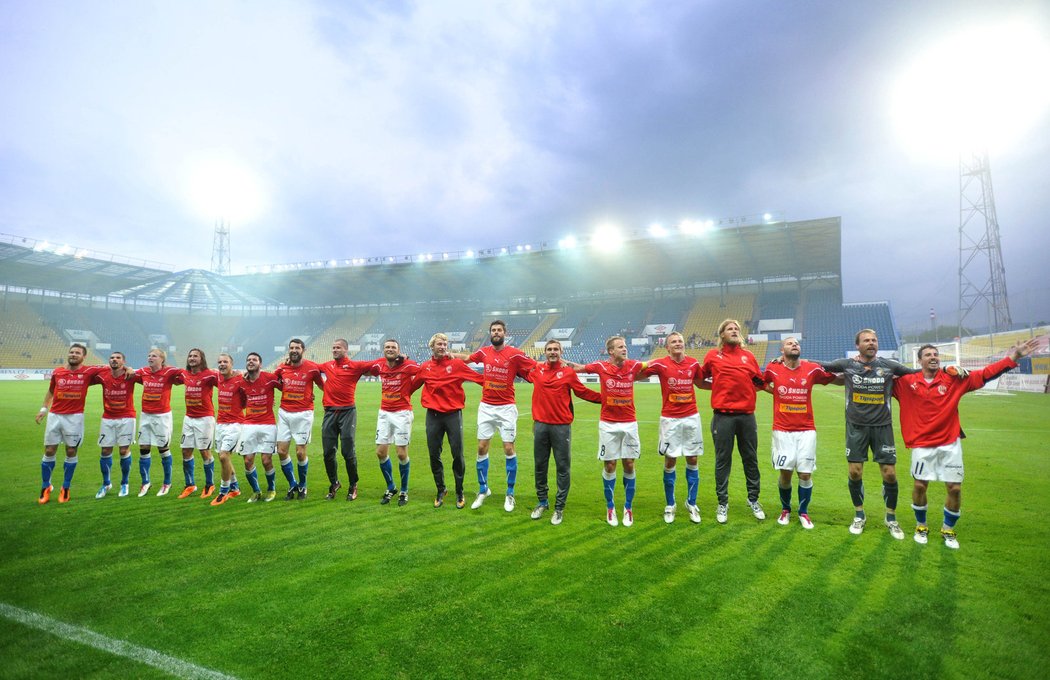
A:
x: 982, y: 276
x: 220, y: 249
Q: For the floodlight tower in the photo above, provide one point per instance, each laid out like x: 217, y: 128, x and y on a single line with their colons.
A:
x: 220, y: 249
x: 982, y: 276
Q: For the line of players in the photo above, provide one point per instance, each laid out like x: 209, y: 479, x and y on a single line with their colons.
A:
x: 246, y: 424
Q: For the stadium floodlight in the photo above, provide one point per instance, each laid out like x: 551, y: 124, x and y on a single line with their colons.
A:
x: 519, y: 248
x: 657, y: 230
x: 567, y: 243
x: 767, y: 217
x: 444, y: 256
x: 503, y: 251
x: 470, y: 253
x: 607, y: 238
x: 980, y: 89
x: 528, y: 247
x: 332, y: 263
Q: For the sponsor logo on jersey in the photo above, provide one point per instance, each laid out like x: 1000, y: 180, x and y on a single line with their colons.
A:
x: 869, y: 399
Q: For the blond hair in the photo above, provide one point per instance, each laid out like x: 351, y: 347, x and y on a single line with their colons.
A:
x: 721, y: 328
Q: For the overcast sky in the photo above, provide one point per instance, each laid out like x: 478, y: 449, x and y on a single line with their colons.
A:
x: 357, y: 129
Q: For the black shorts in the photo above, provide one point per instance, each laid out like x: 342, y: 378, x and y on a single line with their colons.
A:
x: 877, y: 438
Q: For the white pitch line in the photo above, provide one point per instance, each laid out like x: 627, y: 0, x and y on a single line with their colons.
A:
x: 150, y: 657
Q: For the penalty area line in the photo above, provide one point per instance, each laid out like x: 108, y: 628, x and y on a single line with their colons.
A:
x: 150, y: 657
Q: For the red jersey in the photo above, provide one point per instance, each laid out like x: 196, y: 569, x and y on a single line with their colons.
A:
x: 442, y: 381
x: 231, y: 400
x: 156, y: 388
x: 198, y: 392
x: 734, y: 374
x: 551, y: 401
x: 118, y: 394
x: 676, y: 385
x: 69, y: 388
x: 617, y: 389
x: 500, y: 368
x: 396, y: 384
x: 340, y: 380
x: 297, y: 385
x: 793, y: 394
x: 258, y: 398
x: 930, y: 410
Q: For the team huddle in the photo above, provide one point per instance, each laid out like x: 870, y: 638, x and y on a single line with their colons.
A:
x: 240, y: 420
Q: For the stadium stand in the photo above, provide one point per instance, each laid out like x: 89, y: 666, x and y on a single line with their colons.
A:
x: 693, y: 282
x: 28, y: 341
x: 701, y: 325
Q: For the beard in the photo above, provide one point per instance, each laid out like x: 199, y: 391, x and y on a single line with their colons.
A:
x: 497, y: 342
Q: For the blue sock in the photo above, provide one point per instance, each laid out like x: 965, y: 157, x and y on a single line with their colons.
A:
x: 628, y: 489
x: 669, y: 480
x: 145, y: 463
x: 609, y: 487
x: 209, y: 472
x: 950, y: 518
x: 483, y: 474
x: 271, y: 480
x: 105, y: 464
x: 68, y: 468
x: 692, y: 482
x: 386, y: 466
x: 253, y: 479
x: 188, y: 467
x: 224, y: 488
x: 512, y: 474
x: 289, y: 473
x: 403, y: 469
x: 805, y: 492
x: 785, y: 497
x: 302, y: 468
x: 234, y: 484
x: 920, y: 513
x: 165, y: 461
x: 47, y: 466
x: 125, y: 469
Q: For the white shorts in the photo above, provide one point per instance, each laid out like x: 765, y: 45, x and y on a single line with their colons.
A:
x: 257, y: 439
x: 681, y: 437
x: 502, y: 418
x: 119, y: 432
x: 618, y: 440
x: 394, y: 427
x: 155, y: 429
x: 795, y: 451
x: 65, y: 429
x: 227, y: 436
x: 297, y: 427
x: 939, y: 463
x: 198, y: 433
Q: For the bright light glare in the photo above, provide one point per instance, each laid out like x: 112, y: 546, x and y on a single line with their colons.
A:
x: 982, y: 89
x: 567, y: 243
x: 220, y: 186
x: 607, y: 238
x: 657, y: 230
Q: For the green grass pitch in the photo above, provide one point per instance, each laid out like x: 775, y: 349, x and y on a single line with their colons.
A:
x: 338, y: 589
